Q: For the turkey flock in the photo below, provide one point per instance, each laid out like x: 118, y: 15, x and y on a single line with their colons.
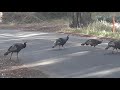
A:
x: 17, y: 47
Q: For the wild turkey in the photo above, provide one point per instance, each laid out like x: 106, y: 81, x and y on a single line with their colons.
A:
x: 92, y: 42
x: 115, y: 44
x: 60, y: 42
x: 15, y: 48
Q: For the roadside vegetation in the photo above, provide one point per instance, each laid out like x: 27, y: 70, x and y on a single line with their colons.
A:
x: 98, y: 29
x: 88, y: 23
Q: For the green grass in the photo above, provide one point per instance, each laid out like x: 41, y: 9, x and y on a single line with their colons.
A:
x: 96, y: 29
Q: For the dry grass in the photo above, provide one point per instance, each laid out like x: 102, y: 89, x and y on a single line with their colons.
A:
x: 97, y: 29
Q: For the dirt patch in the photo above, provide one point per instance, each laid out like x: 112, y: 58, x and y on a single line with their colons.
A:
x: 43, y: 27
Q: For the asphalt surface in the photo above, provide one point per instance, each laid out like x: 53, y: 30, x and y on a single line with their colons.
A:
x: 73, y: 61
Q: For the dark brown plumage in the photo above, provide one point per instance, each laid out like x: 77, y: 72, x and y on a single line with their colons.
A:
x: 92, y: 42
x: 60, y: 42
x: 15, y: 48
x: 115, y: 44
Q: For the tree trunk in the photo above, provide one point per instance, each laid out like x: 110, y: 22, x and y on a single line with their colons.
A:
x: 80, y: 19
x: 113, y: 29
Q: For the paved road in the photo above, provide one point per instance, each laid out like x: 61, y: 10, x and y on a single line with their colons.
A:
x: 75, y: 61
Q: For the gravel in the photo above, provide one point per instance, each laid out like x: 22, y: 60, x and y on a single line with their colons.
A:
x: 6, y: 72
x: 23, y: 73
